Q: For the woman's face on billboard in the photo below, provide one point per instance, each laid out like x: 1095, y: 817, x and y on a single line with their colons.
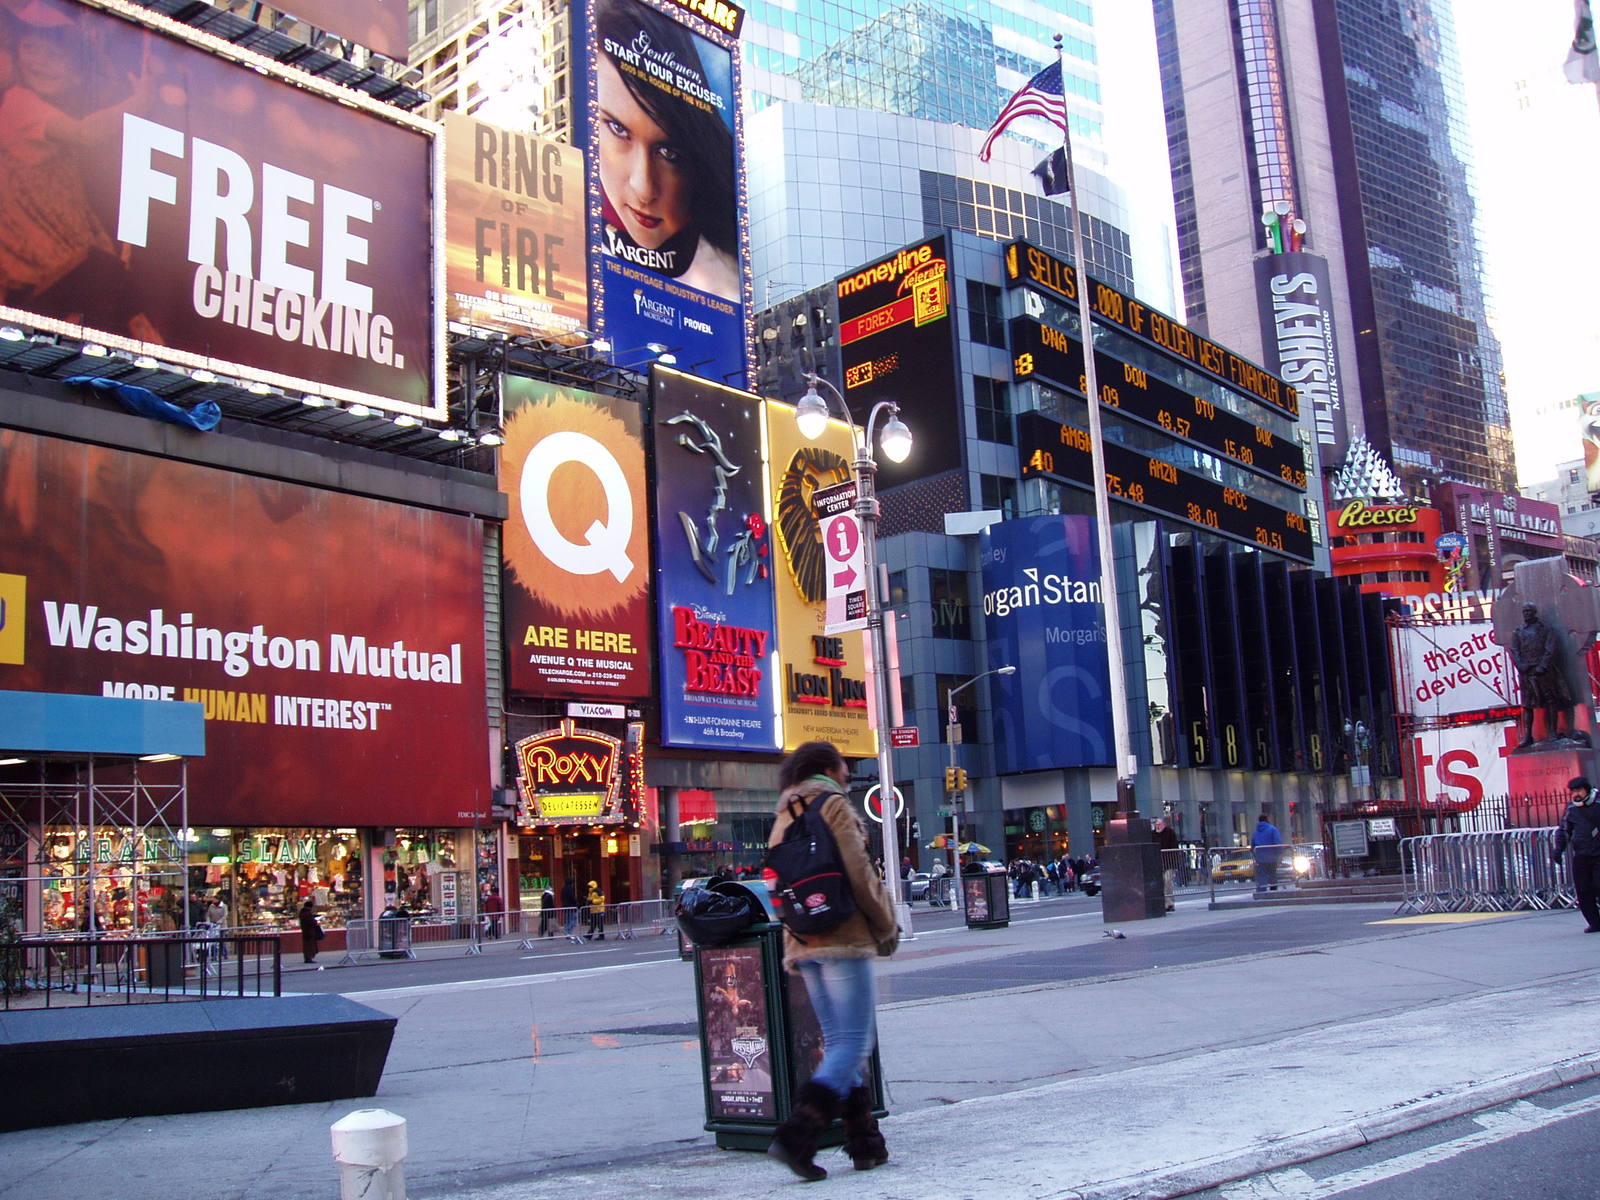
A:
x: 643, y: 173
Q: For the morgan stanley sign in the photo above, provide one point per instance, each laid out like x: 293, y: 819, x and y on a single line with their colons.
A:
x: 1043, y: 612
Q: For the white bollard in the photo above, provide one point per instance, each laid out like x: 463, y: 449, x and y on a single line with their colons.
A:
x: 370, y: 1147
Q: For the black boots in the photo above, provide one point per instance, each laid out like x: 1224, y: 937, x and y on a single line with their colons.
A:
x: 795, y: 1142
x: 862, y: 1141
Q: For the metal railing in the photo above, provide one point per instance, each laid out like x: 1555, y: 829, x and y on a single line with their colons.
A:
x: 1507, y: 870
x: 400, y: 937
x: 78, y: 970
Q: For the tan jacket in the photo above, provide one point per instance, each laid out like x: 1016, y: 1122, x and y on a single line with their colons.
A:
x: 871, y: 929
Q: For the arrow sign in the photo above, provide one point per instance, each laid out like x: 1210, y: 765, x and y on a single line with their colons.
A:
x: 846, y: 553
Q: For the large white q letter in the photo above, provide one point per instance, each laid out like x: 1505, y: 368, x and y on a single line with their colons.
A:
x: 607, y: 547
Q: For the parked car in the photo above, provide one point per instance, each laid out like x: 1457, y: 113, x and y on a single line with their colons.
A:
x: 1089, y: 884
x: 917, y: 885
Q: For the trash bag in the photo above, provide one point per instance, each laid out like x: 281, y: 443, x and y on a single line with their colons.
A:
x: 710, y: 917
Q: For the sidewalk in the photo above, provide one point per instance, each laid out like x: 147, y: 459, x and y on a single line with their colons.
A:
x: 1148, y: 1083
x: 1377, y: 1055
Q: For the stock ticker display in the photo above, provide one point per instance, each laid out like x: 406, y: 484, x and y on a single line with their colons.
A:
x: 1135, y: 397
x: 1053, y: 450
x: 1039, y: 349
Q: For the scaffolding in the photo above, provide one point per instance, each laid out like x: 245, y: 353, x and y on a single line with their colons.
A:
x: 91, y: 844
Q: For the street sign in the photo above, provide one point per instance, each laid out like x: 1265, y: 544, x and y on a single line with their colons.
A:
x: 1349, y: 839
x: 903, y: 736
x: 875, y: 810
x: 946, y: 811
x: 845, y: 563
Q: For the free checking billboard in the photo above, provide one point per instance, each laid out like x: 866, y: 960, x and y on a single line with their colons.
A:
x: 160, y: 198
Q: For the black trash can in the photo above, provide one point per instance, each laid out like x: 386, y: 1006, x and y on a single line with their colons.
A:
x: 986, y: 898
x: 759, y: 1040
x: 164, y: 965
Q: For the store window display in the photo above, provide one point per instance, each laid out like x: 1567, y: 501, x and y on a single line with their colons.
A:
x: 264, y: 876
x: 136, y: 880
x: 422, y: 874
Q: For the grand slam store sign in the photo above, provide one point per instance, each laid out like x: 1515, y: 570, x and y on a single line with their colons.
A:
x: 217, y: 217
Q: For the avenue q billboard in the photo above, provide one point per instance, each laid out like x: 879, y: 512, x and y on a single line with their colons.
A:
x: 576, y: 543
x: 159, y: 197
x: 336, y: 642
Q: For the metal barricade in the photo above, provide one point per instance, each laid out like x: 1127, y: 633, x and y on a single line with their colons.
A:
x: 1505, y: 870
x: 385, y: 937
x: 643, y: 918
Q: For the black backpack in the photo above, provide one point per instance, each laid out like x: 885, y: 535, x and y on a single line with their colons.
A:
x: 805, y: 873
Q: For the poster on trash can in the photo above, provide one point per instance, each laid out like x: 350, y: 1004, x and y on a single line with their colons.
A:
x: 977, y: 896
x: 738, y: 1053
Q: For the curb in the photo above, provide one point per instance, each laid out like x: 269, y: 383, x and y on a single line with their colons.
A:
x: 1318, y: 1143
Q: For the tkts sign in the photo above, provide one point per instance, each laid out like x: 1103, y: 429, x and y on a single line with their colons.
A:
x: 574, y: 776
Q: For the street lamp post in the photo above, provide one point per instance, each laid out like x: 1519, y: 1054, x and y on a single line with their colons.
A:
x: 811, y: 415
x: 959, y: 796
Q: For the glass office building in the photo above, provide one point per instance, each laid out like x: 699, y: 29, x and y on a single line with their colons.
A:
x: 1348, y: 115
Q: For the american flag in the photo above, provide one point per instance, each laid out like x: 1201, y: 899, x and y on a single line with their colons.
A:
x: 1042, y: 96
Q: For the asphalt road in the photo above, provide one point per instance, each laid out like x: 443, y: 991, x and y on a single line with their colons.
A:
x: 1542, y: 1146
x: 1019, y: 965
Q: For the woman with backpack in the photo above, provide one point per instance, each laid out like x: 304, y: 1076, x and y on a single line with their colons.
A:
x: 836, y: 965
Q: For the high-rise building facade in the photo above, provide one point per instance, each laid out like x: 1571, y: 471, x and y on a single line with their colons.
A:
x: 837, y: 89
x: 1340, y: 124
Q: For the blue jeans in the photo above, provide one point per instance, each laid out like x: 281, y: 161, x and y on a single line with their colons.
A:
x: 844, y: 995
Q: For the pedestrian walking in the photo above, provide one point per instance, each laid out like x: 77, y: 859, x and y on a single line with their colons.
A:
x: 596, y: 903
x: 569, y: 901
x: 1580, y: 831
x: 837, y: 969
x: 1267, y: 843
x: 1166, y: 840
x: 311, y: 933
x: 547, y: 913
x: 493, y: 906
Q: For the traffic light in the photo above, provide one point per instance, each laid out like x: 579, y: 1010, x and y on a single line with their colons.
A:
x: 950, y: 778
x: 961, y: 779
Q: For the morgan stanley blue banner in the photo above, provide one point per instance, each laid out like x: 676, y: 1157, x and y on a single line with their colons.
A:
x: 1044, y: 615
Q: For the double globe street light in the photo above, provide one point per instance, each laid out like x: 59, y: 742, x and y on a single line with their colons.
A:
x: 811, y: 416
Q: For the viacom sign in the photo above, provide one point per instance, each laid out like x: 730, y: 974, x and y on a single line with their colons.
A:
x: 1044, y: 613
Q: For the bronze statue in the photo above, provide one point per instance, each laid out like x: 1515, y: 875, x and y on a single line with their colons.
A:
x: 1536, y: 650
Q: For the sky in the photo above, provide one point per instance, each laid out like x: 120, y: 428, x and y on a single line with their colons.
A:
x: 1536, y: 149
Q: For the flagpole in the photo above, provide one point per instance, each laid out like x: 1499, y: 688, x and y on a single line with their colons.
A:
x: 1127, y: 802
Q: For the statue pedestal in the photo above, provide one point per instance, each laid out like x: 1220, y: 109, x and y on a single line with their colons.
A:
x: 1130, y: 872
x: 1538, y: 778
